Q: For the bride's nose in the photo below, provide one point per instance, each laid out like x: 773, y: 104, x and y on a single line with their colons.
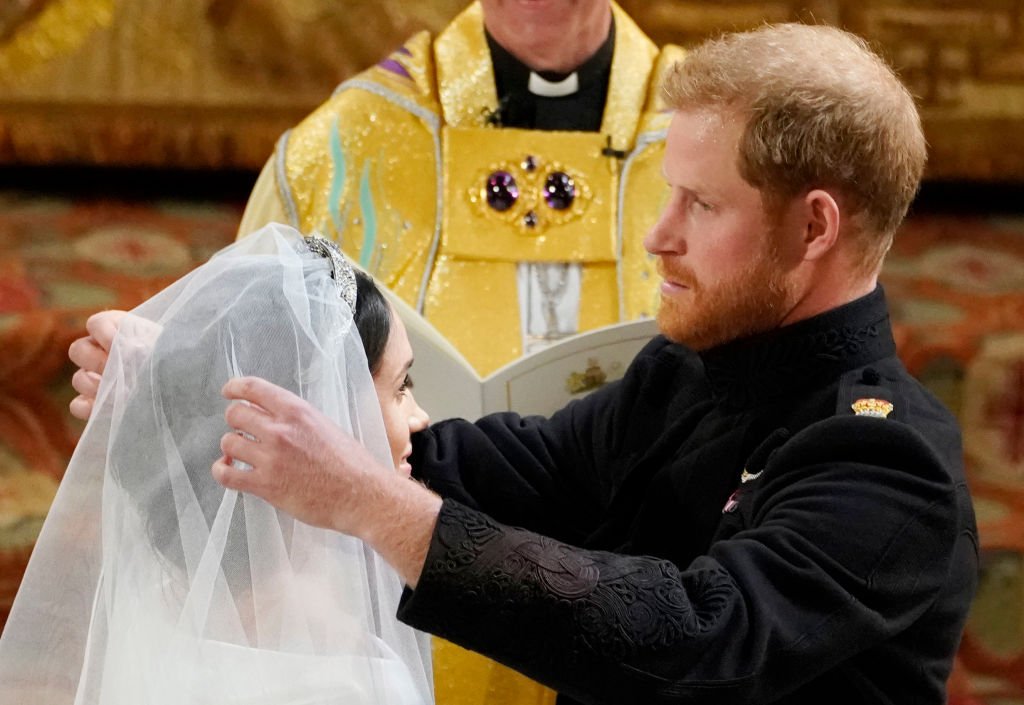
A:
x: 418, y: 419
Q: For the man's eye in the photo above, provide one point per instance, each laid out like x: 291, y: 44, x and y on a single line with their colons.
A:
x: 406, y: 384
x: 702, y: 205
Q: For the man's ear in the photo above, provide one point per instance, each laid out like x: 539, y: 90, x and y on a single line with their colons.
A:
x: 821, y: 221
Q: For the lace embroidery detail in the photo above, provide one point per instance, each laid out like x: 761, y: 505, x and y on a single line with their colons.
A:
x: 613, y: 605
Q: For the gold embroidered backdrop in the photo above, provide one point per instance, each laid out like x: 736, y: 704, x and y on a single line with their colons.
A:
x: 213, y: 82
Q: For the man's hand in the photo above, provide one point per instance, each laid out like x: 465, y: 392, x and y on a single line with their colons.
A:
x: 90, y: 354
x: 304, y: 464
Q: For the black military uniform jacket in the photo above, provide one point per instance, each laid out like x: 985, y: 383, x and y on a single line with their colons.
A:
x: 780, y: 519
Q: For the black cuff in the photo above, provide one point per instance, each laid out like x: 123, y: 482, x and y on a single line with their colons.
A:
x: 579, y: 621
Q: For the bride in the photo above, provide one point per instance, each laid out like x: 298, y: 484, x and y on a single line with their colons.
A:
x: 151, y: 583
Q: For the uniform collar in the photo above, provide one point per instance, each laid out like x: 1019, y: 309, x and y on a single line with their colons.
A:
x: 808, y: 353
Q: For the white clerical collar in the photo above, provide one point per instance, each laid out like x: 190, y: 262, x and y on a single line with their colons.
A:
x: 539, y: 85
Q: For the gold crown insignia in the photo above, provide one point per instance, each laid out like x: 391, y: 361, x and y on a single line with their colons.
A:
x: 879, y: 408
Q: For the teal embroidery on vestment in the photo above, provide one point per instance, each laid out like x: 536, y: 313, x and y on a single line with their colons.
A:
x: 338, y: 181
x: 369, y: 218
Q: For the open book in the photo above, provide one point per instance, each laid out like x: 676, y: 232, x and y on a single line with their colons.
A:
x: 539, y: 383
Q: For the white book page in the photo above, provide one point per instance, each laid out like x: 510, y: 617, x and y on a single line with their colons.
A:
x: 547, y: 380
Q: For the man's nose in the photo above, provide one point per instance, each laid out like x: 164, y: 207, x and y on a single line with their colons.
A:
x: 665, y: 237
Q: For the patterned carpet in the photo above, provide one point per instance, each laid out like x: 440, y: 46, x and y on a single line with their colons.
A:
x: 60, y: 261
x: 956, y: 284
x: 957, y: 287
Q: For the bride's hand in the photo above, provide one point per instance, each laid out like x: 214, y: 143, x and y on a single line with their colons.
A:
x: 90, y: 354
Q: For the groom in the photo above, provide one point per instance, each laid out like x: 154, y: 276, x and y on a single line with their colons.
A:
x: 768, y: 507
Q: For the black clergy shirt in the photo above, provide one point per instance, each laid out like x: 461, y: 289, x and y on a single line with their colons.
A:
x: 580, y: 111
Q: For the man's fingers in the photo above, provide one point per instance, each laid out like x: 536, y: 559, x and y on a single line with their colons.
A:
x: 81, y: 407
x: 274, y: 399
x: 103, y: 326
x: 236, y: 446
x: 86, y: 383
x: 247, y: 417
x: 231, y: 477
x: 87, y: 354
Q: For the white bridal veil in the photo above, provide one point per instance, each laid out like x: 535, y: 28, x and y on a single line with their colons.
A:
x: 153, y: 585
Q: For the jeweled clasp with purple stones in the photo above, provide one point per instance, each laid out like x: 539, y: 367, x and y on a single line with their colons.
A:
x: 559, y: 190
x: 502, y: 191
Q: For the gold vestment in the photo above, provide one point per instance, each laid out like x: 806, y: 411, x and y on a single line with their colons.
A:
x: 394, y: 167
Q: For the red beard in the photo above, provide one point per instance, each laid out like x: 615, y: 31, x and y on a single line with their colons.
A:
x: 708, y: 314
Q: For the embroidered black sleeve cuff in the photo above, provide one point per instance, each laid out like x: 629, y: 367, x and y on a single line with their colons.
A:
x: 583, y: 622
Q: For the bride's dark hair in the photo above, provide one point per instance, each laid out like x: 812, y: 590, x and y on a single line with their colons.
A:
x: 373, y: 319
x: 177, y: 397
